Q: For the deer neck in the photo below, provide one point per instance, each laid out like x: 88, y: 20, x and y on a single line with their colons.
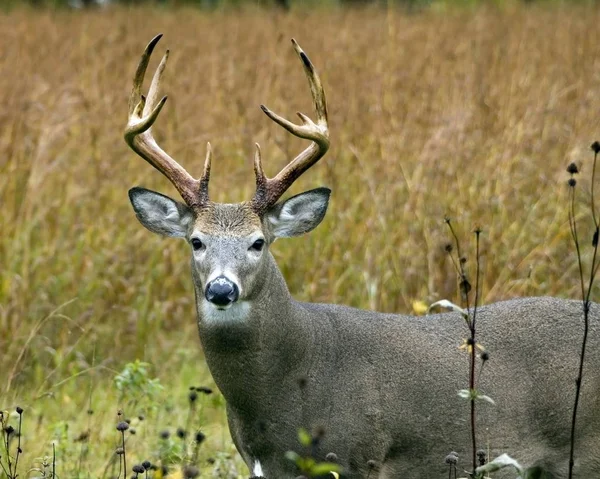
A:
x: 261, y: 343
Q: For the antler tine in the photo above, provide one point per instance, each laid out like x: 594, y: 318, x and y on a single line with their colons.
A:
x: 140, y: 73
x: 142, y: 115
x: 154, y: 86
x: 269, y: 190
x: 205, y: 175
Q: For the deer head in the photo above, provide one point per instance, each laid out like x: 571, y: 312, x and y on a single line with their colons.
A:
x: 229, y: 242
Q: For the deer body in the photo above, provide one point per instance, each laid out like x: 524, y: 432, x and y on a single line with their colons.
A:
x: 383, y: 388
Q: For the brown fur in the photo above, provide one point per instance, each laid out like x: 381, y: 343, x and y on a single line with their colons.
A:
x: 227, y: 219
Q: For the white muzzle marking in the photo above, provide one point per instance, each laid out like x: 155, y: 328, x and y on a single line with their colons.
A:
x: 232, y: 313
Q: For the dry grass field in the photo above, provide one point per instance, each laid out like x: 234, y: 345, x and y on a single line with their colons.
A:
x: 470, y: 114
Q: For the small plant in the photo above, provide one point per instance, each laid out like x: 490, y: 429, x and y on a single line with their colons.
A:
x: 307, y: 464
x: 481, y: 468
x: 169, y: 449
x: 470, y: 344
x: 222, y: 466
x: 135, y: 385
x: 586, y: 289
x: 142, y: 469
x: 45, y: 468
x: 452, y: 461
x: 9, y: 460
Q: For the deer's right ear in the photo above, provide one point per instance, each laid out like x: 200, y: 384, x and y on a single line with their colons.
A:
x: 159, y: 213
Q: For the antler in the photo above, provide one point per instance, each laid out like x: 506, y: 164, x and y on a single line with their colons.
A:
x: 269, y: 190
x: 138, y: 134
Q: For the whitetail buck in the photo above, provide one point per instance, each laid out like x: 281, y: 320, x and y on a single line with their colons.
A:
x: 382, y: 387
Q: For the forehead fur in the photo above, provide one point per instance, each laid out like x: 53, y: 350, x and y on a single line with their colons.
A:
x: 231, y: 219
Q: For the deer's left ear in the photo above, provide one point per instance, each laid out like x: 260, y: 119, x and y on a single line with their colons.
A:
x: 299, y: 214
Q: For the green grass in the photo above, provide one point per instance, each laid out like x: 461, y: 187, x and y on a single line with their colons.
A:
x: 79, y: 416
x: 473, y: 114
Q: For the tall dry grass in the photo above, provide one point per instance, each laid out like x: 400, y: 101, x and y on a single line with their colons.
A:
x: 468, y: 114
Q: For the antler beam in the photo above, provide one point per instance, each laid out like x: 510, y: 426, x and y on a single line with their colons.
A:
x: 269, y: 190
x: 143, y: 112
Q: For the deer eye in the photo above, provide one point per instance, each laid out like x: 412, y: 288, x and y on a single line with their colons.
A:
x: 258, y: 245
x: 197, y: 244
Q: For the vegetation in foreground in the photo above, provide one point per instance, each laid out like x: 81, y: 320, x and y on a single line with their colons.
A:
x: 473, y: 115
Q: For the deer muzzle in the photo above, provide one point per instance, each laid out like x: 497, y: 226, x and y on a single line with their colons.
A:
x: 221, y: 292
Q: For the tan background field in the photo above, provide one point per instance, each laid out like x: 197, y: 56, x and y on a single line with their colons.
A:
x: 470, y: 114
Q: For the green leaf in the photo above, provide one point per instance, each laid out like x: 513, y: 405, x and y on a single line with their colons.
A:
x: 499, y: 463
x: 449, y: 305
x: 292, y: 456
x: 464, y: 393
x: 323, y: 468
x: 304, y: 437
x: 473, y: 394
x: 306, y: 464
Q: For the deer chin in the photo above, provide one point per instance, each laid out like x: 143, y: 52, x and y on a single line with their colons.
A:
x: 232, y: 313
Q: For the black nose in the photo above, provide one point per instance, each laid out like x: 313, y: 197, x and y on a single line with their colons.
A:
x: 221, y: 291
